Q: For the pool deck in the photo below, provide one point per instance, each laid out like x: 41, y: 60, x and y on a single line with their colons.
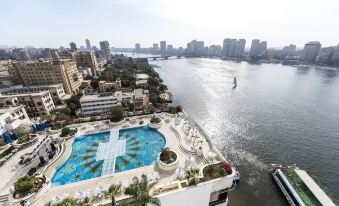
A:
x: 176, y: 139
x: 68, y: 149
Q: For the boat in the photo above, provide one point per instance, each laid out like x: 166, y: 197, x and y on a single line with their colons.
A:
x: 235, y: 83
x: 298, y: 187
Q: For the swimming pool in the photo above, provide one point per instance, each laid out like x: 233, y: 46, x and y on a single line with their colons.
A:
x: 109, y: 152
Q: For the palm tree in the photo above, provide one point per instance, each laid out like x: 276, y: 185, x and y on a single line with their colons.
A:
x: 66, y: 202
x: 87, y: 202
x: 112, y: 191
x: 139, y: 190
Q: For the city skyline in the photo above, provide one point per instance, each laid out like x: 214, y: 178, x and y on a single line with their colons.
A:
x: 38, y: 23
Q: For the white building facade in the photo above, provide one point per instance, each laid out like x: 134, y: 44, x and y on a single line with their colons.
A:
x: 96, y: 104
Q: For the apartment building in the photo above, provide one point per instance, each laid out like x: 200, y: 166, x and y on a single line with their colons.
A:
x: 36, y: 104
x: 87, y: 59
x: 57, y: 91
x: 103, y: 85
x: 141, y: 98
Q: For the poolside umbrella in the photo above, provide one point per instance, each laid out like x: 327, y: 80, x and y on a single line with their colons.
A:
x: 194, y: 146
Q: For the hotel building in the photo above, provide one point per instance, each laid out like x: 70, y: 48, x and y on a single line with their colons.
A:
x: 36, y: 73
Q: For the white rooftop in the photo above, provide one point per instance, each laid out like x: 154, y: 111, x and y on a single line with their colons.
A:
x: 141, y: 76
x: 314, y: 188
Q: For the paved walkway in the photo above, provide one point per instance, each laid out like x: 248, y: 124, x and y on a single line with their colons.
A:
x: 7, y: 172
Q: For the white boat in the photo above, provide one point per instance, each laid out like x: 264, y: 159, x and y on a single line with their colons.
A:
x: 299, y: 188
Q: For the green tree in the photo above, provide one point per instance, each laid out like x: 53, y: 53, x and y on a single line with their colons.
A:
x: 116, y: 114
x: 112, y: 191
x: 73, y: 103
x: 139, y: 190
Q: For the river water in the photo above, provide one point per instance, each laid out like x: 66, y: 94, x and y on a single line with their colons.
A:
x: 277, y: 114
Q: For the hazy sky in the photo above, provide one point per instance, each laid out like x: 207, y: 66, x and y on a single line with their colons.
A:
x: 54, y: 23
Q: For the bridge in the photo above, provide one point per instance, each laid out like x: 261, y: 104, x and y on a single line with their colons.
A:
x: 163, y: 57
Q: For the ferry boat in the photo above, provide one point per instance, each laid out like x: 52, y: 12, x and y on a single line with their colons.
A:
x: 299, y: 188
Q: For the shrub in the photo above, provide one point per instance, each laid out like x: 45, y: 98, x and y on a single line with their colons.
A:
x: 167, y: 156
x: 191, y: 176
x: 217, y: 170
x: 155, y: 120
x: 227, y: 167
x: 67, y: 131
x: 23, y: 139
x: 6, y: 152
x: 25, y: 185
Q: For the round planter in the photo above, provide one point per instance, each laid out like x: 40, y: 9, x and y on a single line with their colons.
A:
x: 168, y: 167
x: 51, y: 131
x: 155, y: 125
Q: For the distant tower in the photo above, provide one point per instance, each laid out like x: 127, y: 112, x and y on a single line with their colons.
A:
x: 163, y: 47
x: 255, y: 48
x: 73, y: 46
x: 88, y: 45
x: 105, y: 49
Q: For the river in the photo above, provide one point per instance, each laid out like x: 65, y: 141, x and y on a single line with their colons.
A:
x: 277, y: 114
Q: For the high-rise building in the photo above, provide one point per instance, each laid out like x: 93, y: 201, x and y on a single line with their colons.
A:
x: 325, y: 55
x: 73, y: 46
x: 214, y: 50
x: 262, y: 48
x: 233, y: 47
x: 170, y: 49
x: 155, y: 48
x: 310, y: 51
x: 229, y: 47
x: 254, y: 51
x: 335, y: 56
x: 289, y: 50
x: 88, y: 45
x: 196, y: 48
x: 87, y: 59
x: 163, y: 47
x: 105, y: 49
x: 47, y: 73
x: 240, y: 48
x: 137, y: 47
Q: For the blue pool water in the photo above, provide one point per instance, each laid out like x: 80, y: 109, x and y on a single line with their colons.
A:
x: 142, y: 147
